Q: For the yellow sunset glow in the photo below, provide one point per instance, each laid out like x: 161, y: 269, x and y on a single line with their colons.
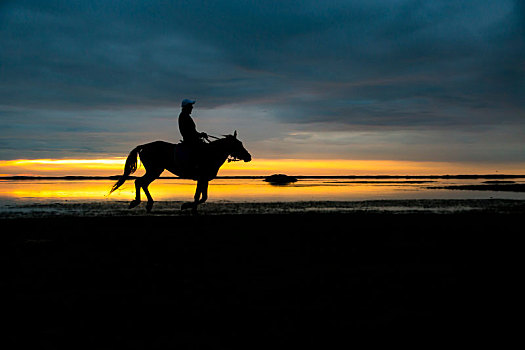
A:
x: 259, y: 167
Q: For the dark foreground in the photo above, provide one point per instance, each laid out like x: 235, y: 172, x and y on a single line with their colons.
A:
x: 249, y: 281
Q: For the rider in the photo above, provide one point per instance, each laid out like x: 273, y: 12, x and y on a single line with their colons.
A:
x: 191, y: 137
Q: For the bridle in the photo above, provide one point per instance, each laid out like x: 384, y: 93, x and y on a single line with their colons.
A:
x: 230, y: 157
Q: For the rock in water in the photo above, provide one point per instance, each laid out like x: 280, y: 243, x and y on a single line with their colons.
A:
x: 280, y: 179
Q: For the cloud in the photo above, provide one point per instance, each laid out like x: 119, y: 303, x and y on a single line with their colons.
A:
x: 376, y: 65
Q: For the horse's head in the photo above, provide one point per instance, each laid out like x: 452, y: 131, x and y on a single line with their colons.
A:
x: 236, y: 149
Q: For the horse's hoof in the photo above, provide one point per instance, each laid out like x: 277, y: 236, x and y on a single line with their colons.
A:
x: 186, y: 206
x: 149, y: 206
x: 133, y: 204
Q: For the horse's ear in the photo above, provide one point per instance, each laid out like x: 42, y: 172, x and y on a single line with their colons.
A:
x: 235, y: 134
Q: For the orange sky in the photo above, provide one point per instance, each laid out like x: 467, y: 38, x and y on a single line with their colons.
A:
x: 114, y: 166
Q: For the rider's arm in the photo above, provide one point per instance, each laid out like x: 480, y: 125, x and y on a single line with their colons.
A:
x: 187, y: 127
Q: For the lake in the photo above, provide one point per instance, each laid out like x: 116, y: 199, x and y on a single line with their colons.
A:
x: 250, y: 190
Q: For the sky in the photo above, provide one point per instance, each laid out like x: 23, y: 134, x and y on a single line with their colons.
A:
x: 375, y: 81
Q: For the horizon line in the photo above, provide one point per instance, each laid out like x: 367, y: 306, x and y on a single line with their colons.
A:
x: 113, y: 177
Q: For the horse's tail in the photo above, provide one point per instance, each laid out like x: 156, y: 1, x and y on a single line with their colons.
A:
x: 129, y: 168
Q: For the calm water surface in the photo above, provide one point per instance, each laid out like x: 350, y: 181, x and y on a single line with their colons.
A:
x: 247, y: 190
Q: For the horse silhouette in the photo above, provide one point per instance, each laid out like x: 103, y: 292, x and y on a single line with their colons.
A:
x: 158, y: 156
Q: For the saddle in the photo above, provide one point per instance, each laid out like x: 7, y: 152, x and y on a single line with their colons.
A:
x: 189, y: 159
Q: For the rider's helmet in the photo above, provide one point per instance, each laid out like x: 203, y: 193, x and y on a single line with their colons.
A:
x: 186, y: 102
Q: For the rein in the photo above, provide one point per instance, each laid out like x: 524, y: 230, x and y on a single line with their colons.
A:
x: 213, y: 137
x: 230, y: 158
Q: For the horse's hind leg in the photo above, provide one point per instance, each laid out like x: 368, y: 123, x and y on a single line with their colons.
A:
x: 148, y: 178
x: 136, y: 201
x: 143, y: 182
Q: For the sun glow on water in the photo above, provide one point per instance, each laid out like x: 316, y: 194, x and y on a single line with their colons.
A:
x: 183, y: 190
x: 238, y: 190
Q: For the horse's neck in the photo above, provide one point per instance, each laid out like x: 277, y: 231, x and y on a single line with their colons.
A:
x: 220, y: 150
x: 220, y: 147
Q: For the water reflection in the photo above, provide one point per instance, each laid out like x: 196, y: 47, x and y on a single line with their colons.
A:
x: 246, y: 190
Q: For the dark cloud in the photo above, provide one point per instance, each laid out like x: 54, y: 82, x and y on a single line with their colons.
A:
x: 345, y: 65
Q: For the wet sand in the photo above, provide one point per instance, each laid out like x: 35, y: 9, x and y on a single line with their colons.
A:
x: 76, y: 209
x: 505, y: 187
x: 226, y: 280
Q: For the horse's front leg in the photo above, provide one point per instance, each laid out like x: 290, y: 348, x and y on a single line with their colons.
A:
x: 201, y: 195
x: 202, y: 186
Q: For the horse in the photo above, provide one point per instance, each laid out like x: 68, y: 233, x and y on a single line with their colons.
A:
x: 158, y: 156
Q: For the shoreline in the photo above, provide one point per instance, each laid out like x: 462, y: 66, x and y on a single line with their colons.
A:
x: 53, y: 209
